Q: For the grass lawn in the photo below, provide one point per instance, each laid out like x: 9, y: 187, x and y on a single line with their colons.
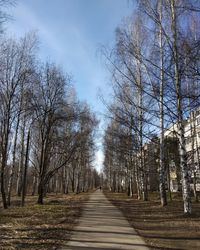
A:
x: 40, y: 227
x: 161, y: 227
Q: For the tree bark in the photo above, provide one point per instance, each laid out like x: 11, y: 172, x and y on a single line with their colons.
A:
x: 183, y: 162
x: 10, y: 183
x: 163, y: 196
x: 21, y: 164
x: 25, y: 169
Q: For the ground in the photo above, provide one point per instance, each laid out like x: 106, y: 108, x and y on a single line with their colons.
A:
x: 102, y: 226
x: 49, y: 226
x: 40, y: 227
x: 161, y: 227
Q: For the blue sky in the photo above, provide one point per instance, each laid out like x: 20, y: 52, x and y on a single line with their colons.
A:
x: 71, y: 33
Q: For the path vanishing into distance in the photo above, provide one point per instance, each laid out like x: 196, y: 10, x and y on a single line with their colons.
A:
x: 103, y: 226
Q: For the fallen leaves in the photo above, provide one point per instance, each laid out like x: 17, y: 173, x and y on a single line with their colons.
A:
x: 40, y: 227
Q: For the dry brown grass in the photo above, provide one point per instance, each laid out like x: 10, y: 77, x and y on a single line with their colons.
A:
x: 40, y: 227
x: 161, y: 227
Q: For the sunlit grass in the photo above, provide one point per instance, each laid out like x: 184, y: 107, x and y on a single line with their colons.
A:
x: 36, y: 226
x: 162, y: 227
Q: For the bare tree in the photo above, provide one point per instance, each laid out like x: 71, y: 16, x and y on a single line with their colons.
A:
x: 16, y: 67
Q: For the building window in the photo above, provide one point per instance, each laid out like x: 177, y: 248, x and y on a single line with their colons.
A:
x: 198, y: 120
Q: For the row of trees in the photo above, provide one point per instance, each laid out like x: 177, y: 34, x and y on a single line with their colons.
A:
x: 155, y: 71
x: 46, y: 134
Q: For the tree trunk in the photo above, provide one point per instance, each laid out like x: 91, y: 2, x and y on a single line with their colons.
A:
x: 193, y: 136
x: 163, y: 196
x: 78, y: 183
x: 183, y: 163
x: 3, y: 193
x: 25, y: 169
x: 40, y: 193
x: 21, y: 164
x: 4, y: 161
x: 197, y: 155
x: 10, y: 183
x: 138, y: 184
x: 34, y: 185
x: 73, y: 180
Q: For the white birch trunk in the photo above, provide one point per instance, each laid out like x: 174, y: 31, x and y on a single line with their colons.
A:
x: 163, y: 196
x: 183, y: 163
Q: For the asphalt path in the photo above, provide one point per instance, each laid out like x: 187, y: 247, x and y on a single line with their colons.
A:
x: 103, y: 226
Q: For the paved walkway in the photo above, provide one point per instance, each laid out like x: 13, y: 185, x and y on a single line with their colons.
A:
x: 103, y: 226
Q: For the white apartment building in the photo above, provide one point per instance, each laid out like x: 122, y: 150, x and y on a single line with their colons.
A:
x: 192, y: 139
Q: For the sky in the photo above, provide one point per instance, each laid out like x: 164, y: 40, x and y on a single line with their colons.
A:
x: 71, y: 33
